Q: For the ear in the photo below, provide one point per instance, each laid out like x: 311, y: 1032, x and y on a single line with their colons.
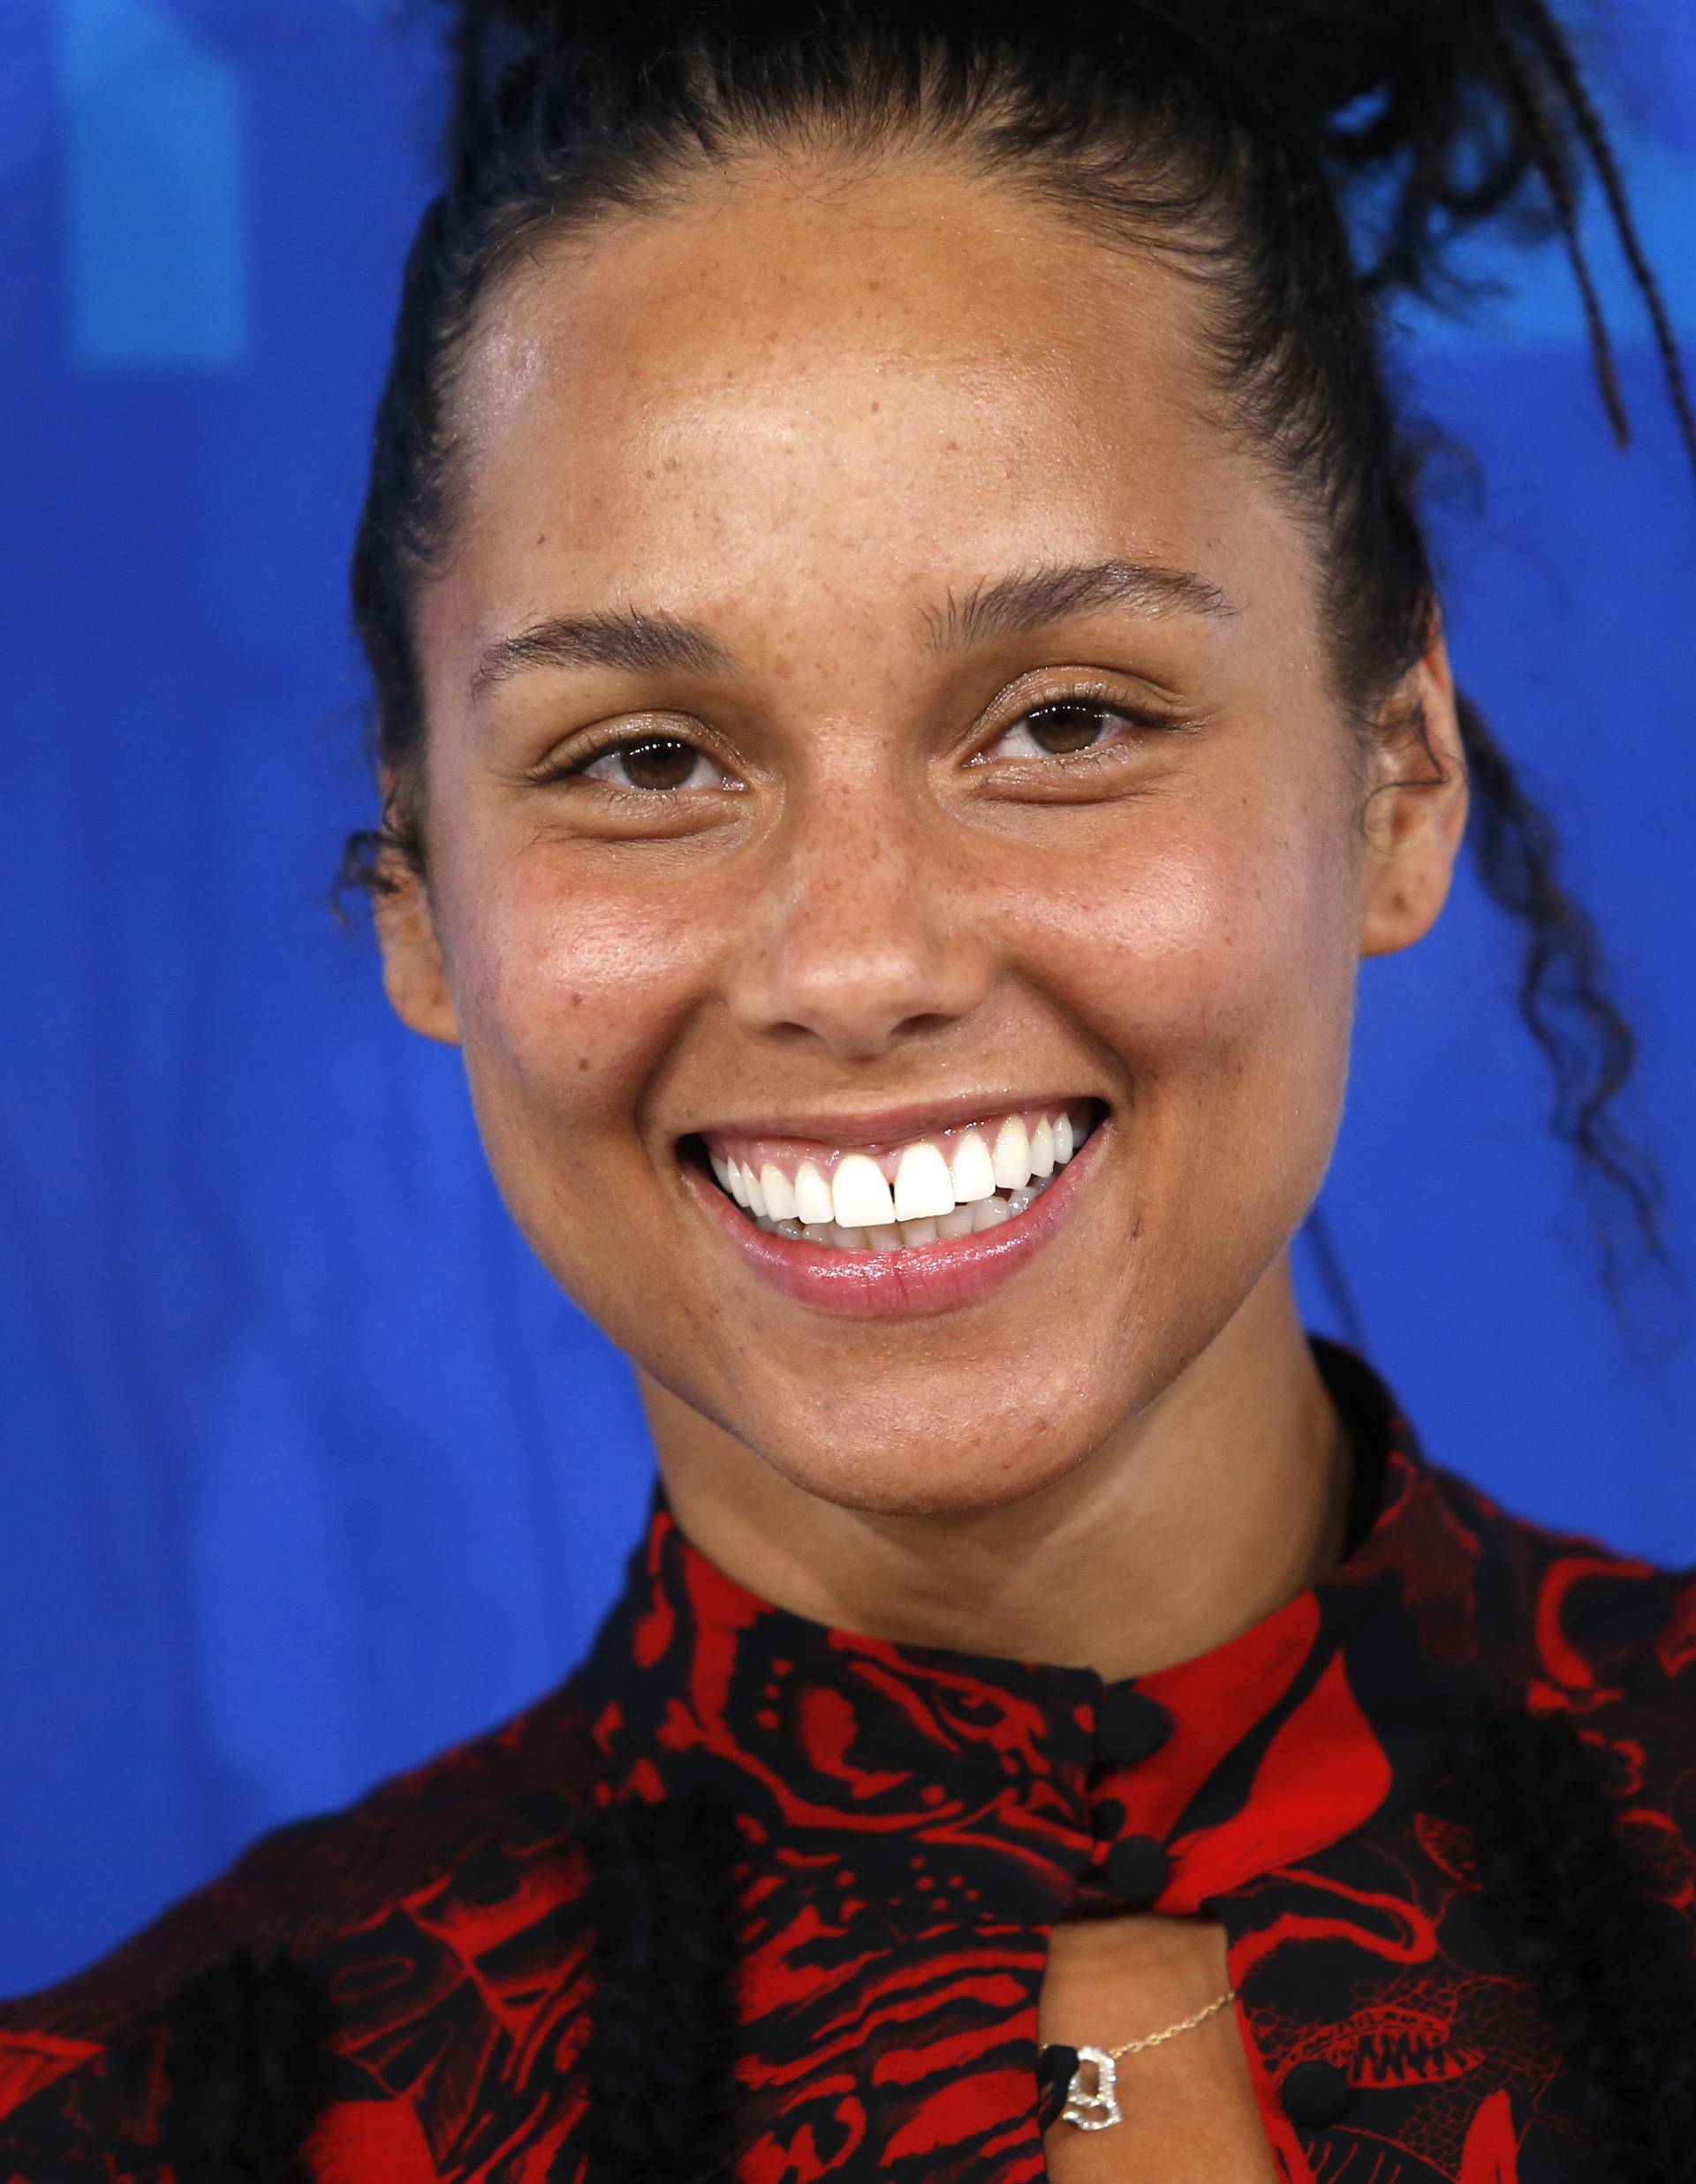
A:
x: 414, y: 969
x: 1416, y: 807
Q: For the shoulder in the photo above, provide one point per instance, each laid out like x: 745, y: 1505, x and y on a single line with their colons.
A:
x: 1579, y: 1622
x: 385, y: 1913
x: 1571, y: 1630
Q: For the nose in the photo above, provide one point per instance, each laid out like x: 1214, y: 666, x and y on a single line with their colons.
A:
x: 864, y: 931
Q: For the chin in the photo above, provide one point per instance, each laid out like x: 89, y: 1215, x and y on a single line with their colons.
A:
x: 938, y: 1461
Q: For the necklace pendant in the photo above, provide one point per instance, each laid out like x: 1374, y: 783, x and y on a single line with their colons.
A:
x: 1097, y: 2108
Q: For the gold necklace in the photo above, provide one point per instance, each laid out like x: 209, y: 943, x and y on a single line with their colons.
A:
x: 1097, y: 2109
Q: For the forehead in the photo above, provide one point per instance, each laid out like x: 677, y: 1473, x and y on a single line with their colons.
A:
x: 901, y: 379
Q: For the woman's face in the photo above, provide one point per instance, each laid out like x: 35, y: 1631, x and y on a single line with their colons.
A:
x: 985, y: 767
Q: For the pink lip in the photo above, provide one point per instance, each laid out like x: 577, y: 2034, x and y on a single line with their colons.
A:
x: 921, y: 1279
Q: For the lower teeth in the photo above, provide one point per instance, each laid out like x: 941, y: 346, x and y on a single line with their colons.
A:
x: 902, y: 1236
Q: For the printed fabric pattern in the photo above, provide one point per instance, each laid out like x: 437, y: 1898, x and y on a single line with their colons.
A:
x: 915, y: 1823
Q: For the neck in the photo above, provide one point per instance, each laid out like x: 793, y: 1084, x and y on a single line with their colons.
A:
x: 1205, y: 1512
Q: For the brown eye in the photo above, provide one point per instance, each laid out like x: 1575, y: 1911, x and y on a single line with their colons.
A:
x: 1072, y: 725
x: 1063, y: 728
x: 657, y: 763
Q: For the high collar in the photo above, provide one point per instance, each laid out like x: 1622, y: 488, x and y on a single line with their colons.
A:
x: 946, y: 1785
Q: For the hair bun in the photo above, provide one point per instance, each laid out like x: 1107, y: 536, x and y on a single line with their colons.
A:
x: 1312, y: 58
x: 545, y: 22
x: 1370, y: 83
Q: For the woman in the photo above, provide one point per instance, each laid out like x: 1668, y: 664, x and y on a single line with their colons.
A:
x: 909, y: 680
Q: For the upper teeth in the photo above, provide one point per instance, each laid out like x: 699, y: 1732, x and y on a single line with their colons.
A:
x: 924, y: 1181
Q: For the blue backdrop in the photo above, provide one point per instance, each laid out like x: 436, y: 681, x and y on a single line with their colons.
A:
x: 307, y: 1470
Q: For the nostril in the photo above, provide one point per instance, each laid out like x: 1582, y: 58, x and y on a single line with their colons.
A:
x: 858, y: 1038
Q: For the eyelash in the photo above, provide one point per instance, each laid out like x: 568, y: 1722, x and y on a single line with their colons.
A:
x: 1129, y: 716
x: 577, y: 769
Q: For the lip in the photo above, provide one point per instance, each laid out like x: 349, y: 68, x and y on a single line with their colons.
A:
x: 889, y: 1125
x: 919, y: 1281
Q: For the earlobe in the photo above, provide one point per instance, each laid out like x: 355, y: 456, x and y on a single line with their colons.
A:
x: 1416, y: 811
x: 415, y: 972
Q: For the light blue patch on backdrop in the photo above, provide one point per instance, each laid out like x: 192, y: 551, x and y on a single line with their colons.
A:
x: 155, y: 256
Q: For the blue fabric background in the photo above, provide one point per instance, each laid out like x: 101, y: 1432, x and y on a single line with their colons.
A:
x: 307, y: 1471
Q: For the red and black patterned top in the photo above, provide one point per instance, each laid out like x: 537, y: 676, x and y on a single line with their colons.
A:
x: 915, y: 1822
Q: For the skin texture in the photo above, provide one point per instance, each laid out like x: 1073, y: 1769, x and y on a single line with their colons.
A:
x: 803, y: 411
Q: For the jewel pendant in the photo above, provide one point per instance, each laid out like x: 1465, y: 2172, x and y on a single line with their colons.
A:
x: 1098, y: 2108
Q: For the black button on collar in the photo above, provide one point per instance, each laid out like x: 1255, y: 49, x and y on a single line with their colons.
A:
x: 1138, y: 1869
x: 1109, y: 1816
x: 1315, y: 2093
x: 1130, y: 1725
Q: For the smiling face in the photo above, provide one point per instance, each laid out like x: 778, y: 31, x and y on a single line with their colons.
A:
x: 871, y: 693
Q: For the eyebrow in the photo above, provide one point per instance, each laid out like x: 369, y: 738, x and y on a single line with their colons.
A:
x: 1030, y: 599
x: 630, y: 642
x: 626, y: 643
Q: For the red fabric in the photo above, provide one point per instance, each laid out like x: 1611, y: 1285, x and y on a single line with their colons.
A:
x: 916, y: 1821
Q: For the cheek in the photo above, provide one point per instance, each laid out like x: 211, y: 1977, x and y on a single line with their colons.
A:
x: 568, y: 993
x: 1211, y: 945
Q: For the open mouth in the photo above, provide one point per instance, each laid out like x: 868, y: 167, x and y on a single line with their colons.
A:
x: 947, y: 1185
